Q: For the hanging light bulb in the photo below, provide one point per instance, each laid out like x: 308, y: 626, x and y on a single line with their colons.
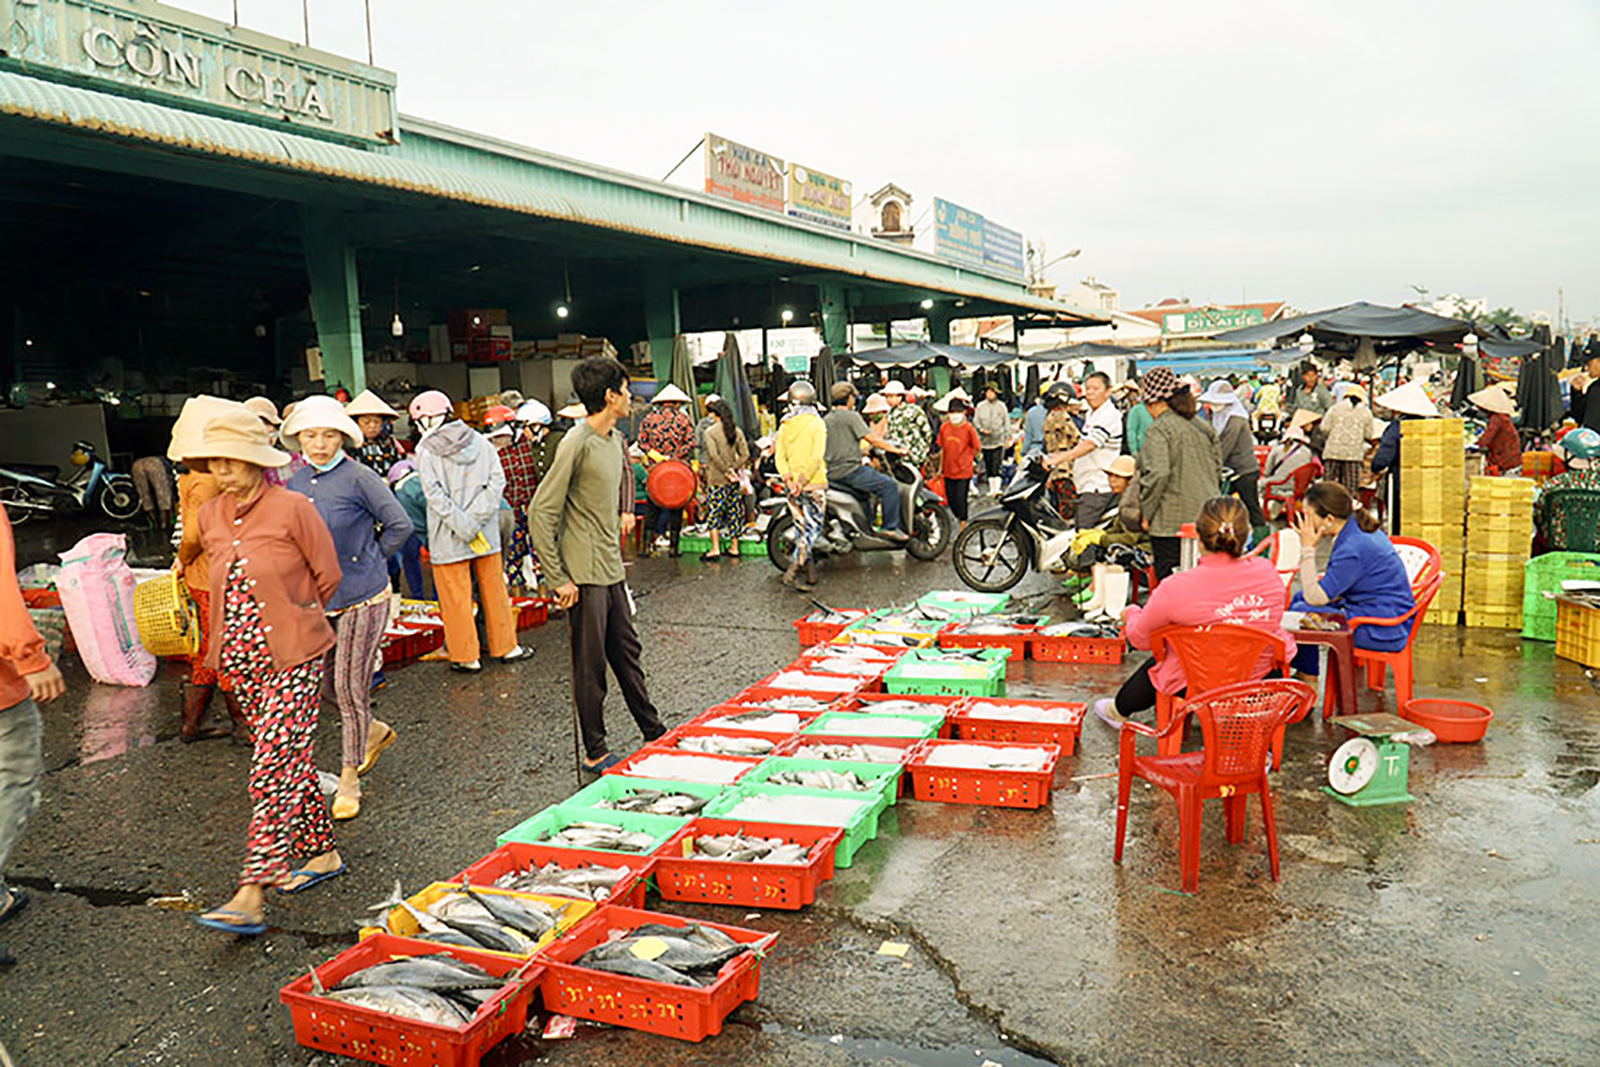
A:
x: 397, y: 328
x: 562, y: 311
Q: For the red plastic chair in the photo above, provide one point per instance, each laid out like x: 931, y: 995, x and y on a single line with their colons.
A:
x: 1214, y: 656
x: 1290, y: 493
x: 1423, y: 561
x: 1398, y: 661
x: 1238, y: 723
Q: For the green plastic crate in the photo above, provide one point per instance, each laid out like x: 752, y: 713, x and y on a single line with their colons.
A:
x: 965, y: 602
x: 904, y: 676
x: 862, y: 827
x: 531, y: 830
x: 1545, y: 574
x: 882, y: 779
x: 693, y: 543
x: 616, y: 786
x: 849, y: 723
x: 753, y: 545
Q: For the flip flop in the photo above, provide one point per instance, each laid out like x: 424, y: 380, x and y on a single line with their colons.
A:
x: 372, y: 756
x: 313, y: 878
x: 19, y: 900
x: 243, y: 929
x: 611, y: 760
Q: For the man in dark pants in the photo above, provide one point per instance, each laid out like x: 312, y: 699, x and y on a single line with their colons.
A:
x: 846, y: 431
x: 581, y: 511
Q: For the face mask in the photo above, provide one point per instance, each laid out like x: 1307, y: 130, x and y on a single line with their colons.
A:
x: 324, y: 468
x: 958, y: 417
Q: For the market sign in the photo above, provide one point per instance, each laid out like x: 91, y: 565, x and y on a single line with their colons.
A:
x: 819, y: 198
x: 743, y: 174
x: 963, y: 236
x: 148, y: 49
x: 1210, y: 320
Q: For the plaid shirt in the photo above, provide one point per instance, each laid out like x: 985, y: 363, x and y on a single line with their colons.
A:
x: 669, y: 432
x: 522, y: 477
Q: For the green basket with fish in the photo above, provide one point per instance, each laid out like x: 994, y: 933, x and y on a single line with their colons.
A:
x: 860, y: 823
x: 605, y: 877
x: 640, y: 834
x: 977, y: 672
x: 403, y: 922
x: 879, y: 778
x: 608, y: 789
x: 864, y: 724
x: 688, y: 874
x: 965, y: 601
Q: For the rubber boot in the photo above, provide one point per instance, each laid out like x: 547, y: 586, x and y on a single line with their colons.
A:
x: 196, y: 699
x: 789, y: 575
x: 672, y: 543
x: 1098, y: 599
x: 243, y: 733
x: 809, y: 582
x: 1118, y: 585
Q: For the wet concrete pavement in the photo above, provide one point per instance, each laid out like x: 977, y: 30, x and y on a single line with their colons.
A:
x: 1457, y: 928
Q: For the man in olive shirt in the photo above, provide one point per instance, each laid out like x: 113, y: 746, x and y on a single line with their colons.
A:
x: 846, y: 431
x: 577, y: 519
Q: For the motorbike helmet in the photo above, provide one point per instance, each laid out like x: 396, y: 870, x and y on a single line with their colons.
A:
x: 429, y: 403
x: 82, y: 452
x: 1059, y: 393
x: 498, y: 414
x: 534, y: 413
x: 802, y: 392
x: 1582, y: 443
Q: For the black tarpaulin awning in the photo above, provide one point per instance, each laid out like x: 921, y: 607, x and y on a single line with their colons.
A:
x: 1082, y: 350
x: 925, y: 352
x: 1354, y: 321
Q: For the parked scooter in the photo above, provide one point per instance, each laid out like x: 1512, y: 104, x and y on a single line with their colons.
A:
x: 27, y: 492
x: 998, y: 546
x: 847, y: 525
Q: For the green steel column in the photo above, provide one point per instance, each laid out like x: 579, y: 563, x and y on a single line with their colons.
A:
x: 939, y: 378
x: 660, y: 316
x: 835, y: 318
x: 335, y: 302
x: 939, y: 325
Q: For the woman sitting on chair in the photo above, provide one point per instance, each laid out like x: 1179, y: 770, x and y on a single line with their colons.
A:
x: 1364, y: 575
x: 1224, y: 587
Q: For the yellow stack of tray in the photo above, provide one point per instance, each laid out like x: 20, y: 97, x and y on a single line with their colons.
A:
x: 1433, y: 478
x: 1499, y: 541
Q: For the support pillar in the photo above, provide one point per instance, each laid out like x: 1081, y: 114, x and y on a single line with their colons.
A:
x: 335, y: 302
x: 939, y: 325
x: 660, y: 316
x: 835, y: 312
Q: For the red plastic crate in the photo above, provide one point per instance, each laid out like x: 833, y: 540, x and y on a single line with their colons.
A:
x: 970, y: 726
x: 752, y: 693
x: 1076, y: 649
x: 429, y: 636
x: 817, y: 633
x: 908, y: 746
x: 716, y: 711
x: 654, y: 749
x: 378, y: 1037
x: 669, y: 1010
x: 870, y: 671
x: 669, y: 740
x: 972, y: 785
x: 680, y: 876
x: 868, y: 652
x: 531, y: 611
x: 862, y: 684
x: 1017, y: 643
x: 517, y: 856
x: 399, y: 646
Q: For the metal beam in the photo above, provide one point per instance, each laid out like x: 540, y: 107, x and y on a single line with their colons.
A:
x: 335, y: 301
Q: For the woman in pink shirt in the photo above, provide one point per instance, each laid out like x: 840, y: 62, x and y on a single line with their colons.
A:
x: 1223, y: 588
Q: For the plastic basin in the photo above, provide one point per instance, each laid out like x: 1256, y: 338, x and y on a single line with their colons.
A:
x: 1450, y: 720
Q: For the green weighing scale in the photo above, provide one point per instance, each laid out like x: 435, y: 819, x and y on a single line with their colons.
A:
x: 1370, y: 768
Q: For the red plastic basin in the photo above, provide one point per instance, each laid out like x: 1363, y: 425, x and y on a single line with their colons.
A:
x: 1450, y: 720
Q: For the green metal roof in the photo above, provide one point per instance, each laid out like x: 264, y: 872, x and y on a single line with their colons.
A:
x: 444, y: 163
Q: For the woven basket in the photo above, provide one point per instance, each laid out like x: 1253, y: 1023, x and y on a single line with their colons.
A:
x: 167, y: 617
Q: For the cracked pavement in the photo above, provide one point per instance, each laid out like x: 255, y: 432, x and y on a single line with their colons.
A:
x: 1457, y: 928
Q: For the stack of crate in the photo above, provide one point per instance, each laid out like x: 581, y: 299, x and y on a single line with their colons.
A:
x: 1499, y: 542
x: 1433, y: 501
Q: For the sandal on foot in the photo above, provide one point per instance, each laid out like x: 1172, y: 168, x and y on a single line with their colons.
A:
x: 710, y: 557
x: 17, y: 901
x: 246, y: 928
x: 346, y: 807
x: 372, y: 753
x: 605, y: 763
x: 311, y: 878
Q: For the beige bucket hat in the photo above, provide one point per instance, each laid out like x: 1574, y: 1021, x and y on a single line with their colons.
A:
x: 191, y: 424
x: 322, y: 412
x: 237, y: 433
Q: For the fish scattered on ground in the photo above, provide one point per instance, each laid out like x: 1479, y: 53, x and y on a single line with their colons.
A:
x: 725, y: 745
x: 687, y: 768
x: 1059, y: 713
x: 850, y: 752
x: 743, y: 848
x: 983, y: 757
x: 818, y: 779
x: 685, y: 956
x: 772, y: 722
x: 800, y: 810
x: 589, y: 881
x: 656, y: 802
x: 602, y: 835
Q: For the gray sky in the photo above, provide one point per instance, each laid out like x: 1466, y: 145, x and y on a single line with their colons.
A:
x: 1312, y: 151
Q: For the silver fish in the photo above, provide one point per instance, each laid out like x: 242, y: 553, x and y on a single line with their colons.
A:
x: 603, y: 836
x: 656, y: 802
x: 742, y: 848
x: 849, y: 753
x: 407, y: 1002
x: 725, y: 745
x: 438, y: 973
x: 818, y: 779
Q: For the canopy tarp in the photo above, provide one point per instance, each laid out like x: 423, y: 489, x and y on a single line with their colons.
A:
x: 1507, y: 347
x: 1354, y: 321
x: 925, y: 352
x: 1081, y: 350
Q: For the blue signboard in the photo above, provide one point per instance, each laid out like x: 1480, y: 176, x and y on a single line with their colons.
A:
x: 966, y: 237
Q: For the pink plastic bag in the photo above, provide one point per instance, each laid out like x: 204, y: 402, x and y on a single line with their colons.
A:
x: 96, y: 590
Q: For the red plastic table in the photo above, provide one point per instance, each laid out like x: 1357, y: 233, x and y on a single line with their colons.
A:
x: 1341, y: 661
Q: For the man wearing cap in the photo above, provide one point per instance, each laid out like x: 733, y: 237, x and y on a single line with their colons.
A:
x: 666, y: 433
x: 908, y: 424
x: 1100, y: 444
x: 846, y: 430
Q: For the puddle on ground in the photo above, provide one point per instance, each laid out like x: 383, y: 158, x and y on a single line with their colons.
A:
x: 887, y: 1051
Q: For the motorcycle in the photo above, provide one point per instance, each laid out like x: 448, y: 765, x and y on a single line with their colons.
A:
x: 847, y: 524
x: 29, y: 491
x: 998, y: 546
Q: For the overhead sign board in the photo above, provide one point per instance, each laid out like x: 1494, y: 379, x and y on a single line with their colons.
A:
x: 146, y: 49
x: 744, y: 174
x: 1210, y: 320
x: 818, y: 197
x: 963, y: 236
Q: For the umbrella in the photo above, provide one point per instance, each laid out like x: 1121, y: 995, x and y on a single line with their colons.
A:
x: 1538, y: 393
x: 823, y: 375
x: 681, y: 370
x: 734, y: 387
